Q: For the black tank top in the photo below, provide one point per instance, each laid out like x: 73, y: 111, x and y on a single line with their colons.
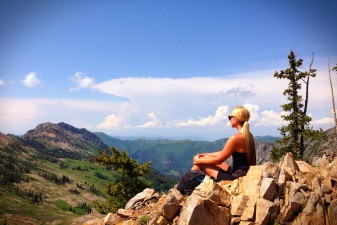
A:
x: 240, y: 161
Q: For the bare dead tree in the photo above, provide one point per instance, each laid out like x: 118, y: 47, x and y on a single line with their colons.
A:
x: 310, y: 72
x: 332, y: 95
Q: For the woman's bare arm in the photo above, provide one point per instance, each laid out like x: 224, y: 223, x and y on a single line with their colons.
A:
x: 218, y: 157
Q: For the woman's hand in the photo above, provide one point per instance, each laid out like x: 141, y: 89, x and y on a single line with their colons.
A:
x: 195, y: 159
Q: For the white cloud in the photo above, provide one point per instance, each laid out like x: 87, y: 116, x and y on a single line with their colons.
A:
x: 2, y: 82
x: 253, y: 110
x: 154, y: 121
x: 81, y: 81
x: 270, y: 118
x: 217, y: 119
x: 31, y: 80
x: 323, y: 121
x: 111, y: 121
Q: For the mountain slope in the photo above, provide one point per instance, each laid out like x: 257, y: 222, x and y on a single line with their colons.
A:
x: 67, y: 138
x: 316, y: 148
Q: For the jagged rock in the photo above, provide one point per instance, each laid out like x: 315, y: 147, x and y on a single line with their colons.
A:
x: 311, y: 204
x: 289, y: 161
x: 112, y: 219
x: 271, y: 171
x: 160, y: 221
x: 213, y: 191
x: 293, y: 206
x: 304, y: 167
x: 248, y: 212
x: 239, y: 204
x: 318, y: 217
x: 140, y: 198
x: 275, y: 210
x: 268, y: 189
x: 332, y: 212
x: 125, y: 212
x: 170, y: 208
x: 252, y: 181
x: 321, y: 162
x: 263, y: 208
x: 201, y: 211
x: 333, y: 172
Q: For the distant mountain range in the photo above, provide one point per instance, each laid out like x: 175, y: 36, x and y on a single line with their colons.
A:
x: 171, y: 157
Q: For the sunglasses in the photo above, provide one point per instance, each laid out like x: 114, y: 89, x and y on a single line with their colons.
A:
x: 230, y: 117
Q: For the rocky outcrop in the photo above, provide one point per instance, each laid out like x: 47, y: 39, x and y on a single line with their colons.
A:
x: 291, y: 192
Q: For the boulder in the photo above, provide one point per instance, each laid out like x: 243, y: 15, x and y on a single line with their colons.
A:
x: 332, y: 213
x: 112, y: 219
x: 292, y: 207
x: 271, y: 171
x: 239, y: 204
x: 140, y: 198
x: 268, y: 189
x: 263, y: 208
x: 125, y: 212
x: 170, y: 208
x: 248, y: 212
x: 289, y: 161
x: 202, y: 211
x: 252, y: 181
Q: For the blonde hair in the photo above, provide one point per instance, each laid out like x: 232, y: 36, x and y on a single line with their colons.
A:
x: 243, y: 115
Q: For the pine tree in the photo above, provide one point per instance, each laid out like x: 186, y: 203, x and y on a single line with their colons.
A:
x: 129, y: 180
x: 297, y: 128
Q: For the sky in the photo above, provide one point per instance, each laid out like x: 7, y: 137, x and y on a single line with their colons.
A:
x: 171, y: 69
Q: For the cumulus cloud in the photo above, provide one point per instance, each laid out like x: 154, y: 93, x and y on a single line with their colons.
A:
x: 323, y: 121
x: 81, y: 81
x: 2, y: 82
x: 31, y: 80
x: 111, y: 121
x: 270, y: 118
x: 154, y: 121
x: 218, y: 118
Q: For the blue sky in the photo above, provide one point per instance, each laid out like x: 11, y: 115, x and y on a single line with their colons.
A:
x: 159, y: 68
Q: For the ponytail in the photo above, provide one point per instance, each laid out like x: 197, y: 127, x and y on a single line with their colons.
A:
x: 250, y: 144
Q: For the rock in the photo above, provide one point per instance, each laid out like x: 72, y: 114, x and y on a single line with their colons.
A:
x: 252, y: 181
x: 311, y: 204
x: 268, y: 189
x: 318, y: 217
x: 161, y: 221
x: 248, y: 212
x: 321, y: 162
x: 140, y: 198
x: 125, y: 212
x: 170, y: 208
x: 271, y: 171
x: 201, y: 211
x: 332, y: 213
x: 238, y: 203
x: 333, y: 172
x: 213, y: 191
x: 293, y: 206
x: 263, y: 208
x: 289, y: 161
x: 112, y: 219
x: 304, y: 167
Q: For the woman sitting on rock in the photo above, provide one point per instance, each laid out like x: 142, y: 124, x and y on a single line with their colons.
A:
x: 240, y: 146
